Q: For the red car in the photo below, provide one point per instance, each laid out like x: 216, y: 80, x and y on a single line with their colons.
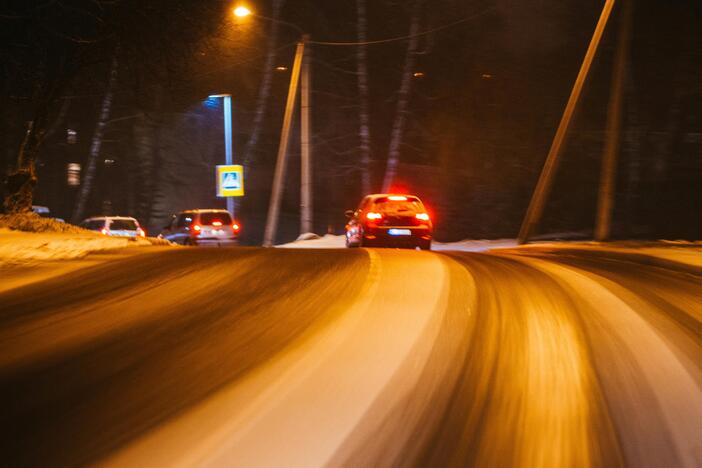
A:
x: 389, y: 220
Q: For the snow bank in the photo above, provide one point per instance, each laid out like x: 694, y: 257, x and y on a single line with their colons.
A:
x: 23, y: 247
x: 474, y: 245
x: 313, y: 241
x: 684, y: 252
x: 32, y: 222
x: 689, y: 253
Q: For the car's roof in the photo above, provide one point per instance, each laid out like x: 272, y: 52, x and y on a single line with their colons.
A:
x: 95, y: 218
x: 205, y: 210
x: 375, y: 196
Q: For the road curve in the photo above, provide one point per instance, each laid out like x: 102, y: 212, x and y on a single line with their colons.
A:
x: 265, y: 357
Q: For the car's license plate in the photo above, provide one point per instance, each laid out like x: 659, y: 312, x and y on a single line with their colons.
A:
x: 399, y: 232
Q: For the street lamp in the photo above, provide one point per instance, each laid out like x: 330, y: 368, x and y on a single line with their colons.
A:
x: 227, y: 138
x: 241, y: 11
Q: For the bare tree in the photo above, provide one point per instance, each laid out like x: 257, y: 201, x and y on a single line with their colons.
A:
x: 264, y: 89
x: 39, y: 60
x: 96, y: 144
x: 402, y: 100
x: 363, y: 114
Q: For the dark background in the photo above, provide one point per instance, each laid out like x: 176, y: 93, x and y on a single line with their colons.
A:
x: 480, y: 119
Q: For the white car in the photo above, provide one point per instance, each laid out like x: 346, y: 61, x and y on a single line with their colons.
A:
x: 123, y: 226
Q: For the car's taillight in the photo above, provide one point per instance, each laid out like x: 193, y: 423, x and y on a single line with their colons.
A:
x: 105, y: 231
x: 236, y: 227
x: 422, y: 216
x: 141, y: 232
x: 216, y: 223
x: 196, y: 229
x: 373, y: 216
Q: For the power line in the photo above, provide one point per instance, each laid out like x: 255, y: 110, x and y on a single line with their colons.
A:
x: 410, y: 36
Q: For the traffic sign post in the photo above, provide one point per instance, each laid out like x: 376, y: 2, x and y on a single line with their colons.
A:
x: 230, y: 180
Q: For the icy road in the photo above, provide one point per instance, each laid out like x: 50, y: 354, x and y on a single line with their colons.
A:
x: 300, y: 358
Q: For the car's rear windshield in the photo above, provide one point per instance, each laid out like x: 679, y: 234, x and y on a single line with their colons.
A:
x: 94, y: 225
x: 123, y: 225
x: 208, y: 218
x: 410, y: 205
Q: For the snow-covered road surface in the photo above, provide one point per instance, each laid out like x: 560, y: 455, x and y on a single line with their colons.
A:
x: 283, y: 357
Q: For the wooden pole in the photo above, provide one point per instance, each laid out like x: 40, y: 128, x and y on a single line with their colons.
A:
x: 543, y: 187
x: 608, y: 175
x: 278, y: 177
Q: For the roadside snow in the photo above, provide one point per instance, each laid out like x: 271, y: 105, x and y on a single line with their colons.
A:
x: 474, y: 245
x: 329, y: 241
x: 22, y: 247
x: 689, y: 253
x: 312, y: 241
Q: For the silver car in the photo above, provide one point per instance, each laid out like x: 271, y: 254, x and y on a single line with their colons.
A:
x: 123, y: 226
x: 202, y: 227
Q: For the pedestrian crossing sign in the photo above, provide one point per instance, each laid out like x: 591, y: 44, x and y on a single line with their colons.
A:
x: 230, y: 181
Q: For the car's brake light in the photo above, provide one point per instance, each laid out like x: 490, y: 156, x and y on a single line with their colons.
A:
x: 141, y: 232
x: 217, y: 223
x: 372, y: 215
x: 196, y: 229
x: 422, y: 216
x: 397, y: 198
x: 236, y: 227
x: 105, y: 231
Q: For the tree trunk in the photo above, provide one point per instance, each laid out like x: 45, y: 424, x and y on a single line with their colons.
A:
x: 21, y: 182
x: 402, y: 101
x: 144, y: 153
x: 265, y: 87
x: 632, y: 142
x: 363, y: 114
x: 96, y: 144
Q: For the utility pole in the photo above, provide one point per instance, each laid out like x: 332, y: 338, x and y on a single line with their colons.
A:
x: 608, y: 175
x: 306, y: 176
x: 278, y: 177
x: 543, y: 187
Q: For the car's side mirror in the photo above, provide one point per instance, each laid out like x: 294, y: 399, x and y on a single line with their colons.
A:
x: 349, y: 213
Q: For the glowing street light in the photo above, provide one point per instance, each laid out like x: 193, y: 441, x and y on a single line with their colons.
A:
x: 241, y: 11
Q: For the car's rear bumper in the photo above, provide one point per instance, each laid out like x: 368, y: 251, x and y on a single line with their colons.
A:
x: 396, y: 236
x: 216, y: 241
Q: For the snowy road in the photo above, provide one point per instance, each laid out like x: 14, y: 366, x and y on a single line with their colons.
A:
x: 275, y: 357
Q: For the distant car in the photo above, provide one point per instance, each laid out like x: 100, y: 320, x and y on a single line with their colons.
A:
x: 122, y: 226
x: 389, y: 220
x: 44, y: 212
x: 202, y: 227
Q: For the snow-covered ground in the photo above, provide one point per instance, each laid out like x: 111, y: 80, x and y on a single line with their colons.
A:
x: 474, y: 245
x: 311, y: 241
x: 22, y: 247
x: 686, y: 252
x: 677, y: 251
